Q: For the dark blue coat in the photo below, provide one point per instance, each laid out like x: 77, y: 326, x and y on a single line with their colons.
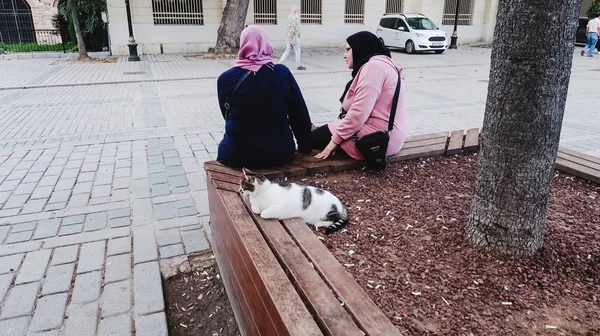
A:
x: 265, y: 106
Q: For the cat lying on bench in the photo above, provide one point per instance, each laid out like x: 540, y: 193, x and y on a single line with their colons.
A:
x: 287, y: 200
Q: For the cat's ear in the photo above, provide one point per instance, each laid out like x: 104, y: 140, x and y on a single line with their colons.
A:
x: 246, y: 172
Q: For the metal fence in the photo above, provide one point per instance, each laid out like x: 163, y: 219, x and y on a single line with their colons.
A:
x: 177, y: 12
x: 32, y: 41
x: 355, y: 11
x: 311, y: 11
x: 393, y: 6
x: 265, y: 11
x: 465, y: 12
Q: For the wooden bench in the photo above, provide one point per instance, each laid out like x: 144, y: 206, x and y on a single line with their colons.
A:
x: 581, y: 165
x: 280, y: 278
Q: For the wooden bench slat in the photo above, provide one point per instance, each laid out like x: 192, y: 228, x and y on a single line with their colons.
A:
x: 590, y: 164
x: 270, y: 173
x: 471, y: 140
x: 420, y: 137
x: 225, y: 250
x: 219, y: 167
x: 224, y: 177
x: 332, y: 317
x: 285, y: 307
x: 455, y: 144
x: 418, y: 152
x: 368, y: 316
x: 579, y: 155
x: 428, y: 142
x: 578, y: 170
x: 226, y: 185
x: 292, y: 170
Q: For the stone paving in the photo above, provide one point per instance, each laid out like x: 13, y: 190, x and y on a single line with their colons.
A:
x: 101, y: 172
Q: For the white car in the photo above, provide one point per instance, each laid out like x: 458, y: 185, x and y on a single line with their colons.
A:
x: 411, y: 32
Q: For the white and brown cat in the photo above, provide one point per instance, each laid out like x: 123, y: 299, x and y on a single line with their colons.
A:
x: 287, y: 200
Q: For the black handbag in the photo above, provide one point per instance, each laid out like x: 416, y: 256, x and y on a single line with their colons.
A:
x: 373, y: 146
x: 227, y: 105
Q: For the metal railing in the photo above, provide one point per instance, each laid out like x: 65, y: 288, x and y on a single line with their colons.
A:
x: 393, y: 6
x: 465, y: 12
x: 47, y: 40
x: 311, y: 12
x: 265, y: 12
x: 354, y: 11
x: 177, y: 12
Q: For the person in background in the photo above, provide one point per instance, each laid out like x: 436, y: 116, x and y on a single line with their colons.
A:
x: 591, y: 31
x: 366, y: 101
x: 264, y: 111
x: 293, y: 38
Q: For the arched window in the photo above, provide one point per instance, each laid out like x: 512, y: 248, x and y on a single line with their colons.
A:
x: 16, y: 22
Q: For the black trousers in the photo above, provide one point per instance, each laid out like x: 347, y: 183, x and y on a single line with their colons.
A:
x: 320, y: 137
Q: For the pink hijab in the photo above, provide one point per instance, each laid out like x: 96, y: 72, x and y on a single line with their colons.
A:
x: 255, y: 49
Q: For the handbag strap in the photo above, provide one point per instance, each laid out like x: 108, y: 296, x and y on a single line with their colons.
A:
x: 232, y: 93
x: 394, y: 104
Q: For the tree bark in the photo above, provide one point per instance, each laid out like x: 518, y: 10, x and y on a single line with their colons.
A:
x: 529, y: 80
x: 230, y: 29
x: 78, y: 32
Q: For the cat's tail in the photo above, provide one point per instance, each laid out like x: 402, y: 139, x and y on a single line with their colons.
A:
x: 341, y: 221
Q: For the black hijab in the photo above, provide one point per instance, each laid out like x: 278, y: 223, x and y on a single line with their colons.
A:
x: 364, y: 45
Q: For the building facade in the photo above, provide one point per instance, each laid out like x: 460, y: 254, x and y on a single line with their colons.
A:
x: 189, y: 26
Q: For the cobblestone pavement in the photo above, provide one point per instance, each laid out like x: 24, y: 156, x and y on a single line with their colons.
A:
x: 101, y: 172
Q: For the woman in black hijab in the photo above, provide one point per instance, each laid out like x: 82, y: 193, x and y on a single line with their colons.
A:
x: 361, y: 47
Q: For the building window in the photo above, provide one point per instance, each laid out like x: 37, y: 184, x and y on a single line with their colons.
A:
x: 265, y: 11
x: 355, y: 11
x: 311, y: 11
x: 393, y: 6
x: 465, y: 12
x: 177, y: 12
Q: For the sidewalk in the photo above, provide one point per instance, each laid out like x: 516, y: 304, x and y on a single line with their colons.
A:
x: 101, y: 173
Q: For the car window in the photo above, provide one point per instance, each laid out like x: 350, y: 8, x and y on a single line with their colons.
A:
x: 583, y: 23
x: 401, y: 23
x: 386, y: 23
x: 421, y: 23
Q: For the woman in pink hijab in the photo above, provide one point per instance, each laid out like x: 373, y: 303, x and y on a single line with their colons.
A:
x: 262, y: 105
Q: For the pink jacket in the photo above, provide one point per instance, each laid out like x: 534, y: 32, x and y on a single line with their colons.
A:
x: 368, y: 103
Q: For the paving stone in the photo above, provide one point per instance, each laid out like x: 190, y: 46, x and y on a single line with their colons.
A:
x: 86, y: 177
x: 25, y: 189
x: 126, y: 212
x: 15, y: 201
x: 140, y: 189
x: 34, y: 177
x: 91, y: 257
x: 180, y: 190
x: 55, y: 206
x: 170, y: 154
x: 71, y: 229
x: 65, y: 184
x: 171, y: 162
x: 156, y: 159
x: 47, y: 228
x: 5, y: 281
x: 87, y: 287
x: 48, y: 180
x: 58, y: 279
x: 34, y: 206
x: 171, y: 251
x: 20, y: 300
x: 83, y: 319
x: 42, y: 192
x: 74, y: 164
x: 60, y: 196
x: 11, y: 263
x: 64, y: 255
x: 144, y: 244
x: 115, y: 326
x: 79, y: 200
x: 175, y: 171
x: 118, y: 268
x: 156, y: 168
x: 158, y: 178
x: 121, y: 183
x: 9, y: 185
x: 34, y: 266
x: 14, y: 327
x: 185, y: 203
x: 116, y: 298
x: 151, y: 325
x: 101, y: 191
x: 29, y: 226
x: 73, y: 220
x: 49, y: 312
x: 142, y: 213
x: 89, y: 167
x: 103, y: 179
x: 4, y: 197
x: 83, y: 187
x: 95, y: 221
x: 164, y: 211
x: 168, y: 237
x: 182, y: 212
x: 70, y: 173
x: 17, y: 175
x: 9, y: 213
x: 122, y: 164
x: 195, y: 241
x: 119, y: 222
x: 201, y: 200
x: 147, y: 288
x: 123, y: 172
x: 120, y: 195
x: 119, y: 246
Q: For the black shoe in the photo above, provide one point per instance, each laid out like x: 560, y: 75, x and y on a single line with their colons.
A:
x: 301, y: 68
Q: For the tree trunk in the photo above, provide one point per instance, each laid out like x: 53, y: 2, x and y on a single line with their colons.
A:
x: 529, y: 79
x: 230, y: 29
x: 78, y: 32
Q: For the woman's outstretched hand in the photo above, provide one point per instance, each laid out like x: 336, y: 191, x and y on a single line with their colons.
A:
x: 329, y: 150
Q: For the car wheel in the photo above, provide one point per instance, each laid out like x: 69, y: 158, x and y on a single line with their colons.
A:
x: 380, y: 39
x: 409, y: 47
x: 439, y: 51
